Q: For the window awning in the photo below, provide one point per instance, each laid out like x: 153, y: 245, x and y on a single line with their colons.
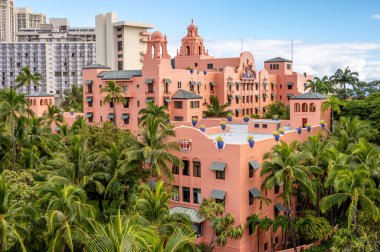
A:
x: 230, y: 83
x: 89, y: 115
x: 254, y: 164
x: 218, y: 166
x: 111, y: 116
x: 255, y: 192
x: 194, y: 83
x: 212, y: 83
x: 238, y: 110
x: 279, y: 207
x: 199, y: 83
x: 167, y: 99
x: 237, y: 83
x: 289, y: 83
x: 273, y: 94
x: 230, y: 96
x: 88, y: 82
x: 258, y: 108
x: 89, y: 99
x: 192, y: 213
x: 258, y: 96
x: 289, y: 95
x: 218, y: 194
x: 124, y: 116
x: 149, y: 100
x: 167, y: 81
x: 149, y: 81
x: 265, y: 95
x: 238, y: 96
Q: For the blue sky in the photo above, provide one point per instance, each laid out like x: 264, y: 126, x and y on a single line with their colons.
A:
x: 347, y: 30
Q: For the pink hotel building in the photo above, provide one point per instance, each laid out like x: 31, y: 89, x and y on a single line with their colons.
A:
x: 184, y: 84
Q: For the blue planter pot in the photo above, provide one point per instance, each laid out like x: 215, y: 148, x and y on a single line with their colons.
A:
x: 223, y: 127
x: 299, y: 130
x: 246, y: 119
x: 308, y: 129
x: 251, y: 143
x: 72, y: 113
x: 191, y: 71
x: 220, y: 145
x: 277, y: 138
x: 203, y: 129
x: 229, y: 118
x: 194, y: 123
x: 323, y: 125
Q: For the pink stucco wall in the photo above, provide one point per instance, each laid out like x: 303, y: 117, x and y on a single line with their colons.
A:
x: 39, y: 104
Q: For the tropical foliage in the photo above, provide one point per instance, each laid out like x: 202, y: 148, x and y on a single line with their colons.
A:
x: 215, y: 109
x: 73, y: 99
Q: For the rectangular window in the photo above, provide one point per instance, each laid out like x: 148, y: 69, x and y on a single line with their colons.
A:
x: 90, y: 104
x: 126, y: 103
x: 276, y: 189
x: 179, y: 84
x: 265, y: 126
x: 120, y: 65
x: 276, y: 239
x: 251, y: 198
x: 120, y: 45
x: 186, y: 194
x: 186, y: 168
x: 220, y: 174
x: 256, y: 99
x: 196, y: 196
x: 243, y: 99
x: 210, y: 66
x: 125, y: 88
x: 288, y: 66
x: 198, y: 227
x: 111, y: 104
x: 250, y: 229
x: 265, y: 246
x: 178, y: 118
x: 251, y: 171
x: 290, y: 86
x: 150, y: 88
x: 280, y: 86
x: 196, y: 168
x: 176, y: 193
x: 126, y: 120
x: 89, y: 88
x: 178, y: 105
x: 175, y: 169
x: 138, y: 104
x: 194, y: 104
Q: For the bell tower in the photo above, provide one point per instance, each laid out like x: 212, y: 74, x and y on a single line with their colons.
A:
x: 156, y: 48
x: 192, y: 43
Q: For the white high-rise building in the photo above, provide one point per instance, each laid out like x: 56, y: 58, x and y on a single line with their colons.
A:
x: 26, y: 19
x: 7, y: 21
x: 120, y: 44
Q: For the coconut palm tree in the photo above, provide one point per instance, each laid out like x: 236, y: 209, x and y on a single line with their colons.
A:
x: 259, y: 224
x: 73, y: 99
x: 27, y: 78
x: 9, y: 230
x: 153, y: 111
x: 69, y: 217
x: 114, y: 95
x: 334, y: 104
x: 279, y: 222
x: 320, y: 85
x: 215, y: 109
x: 357, y: 187
x: 344, y: 77
x: 283, y: 167
x: 12, y: 105
x: 53, y: 115
x: 152, y: 148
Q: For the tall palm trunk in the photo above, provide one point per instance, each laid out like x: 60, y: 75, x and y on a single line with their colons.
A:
x: 258, y: 239
x: 13, y: 143
x: 292, y: 231
x: 271, y: 240
x: 114, y: 111
x: 332, y: 120
x: 28, y: 103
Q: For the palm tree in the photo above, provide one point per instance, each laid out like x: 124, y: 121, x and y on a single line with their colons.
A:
x: 12, y: 105
x: 53, y: 115
x: 279, y: 222
x: 283, y: 167
x: 215, y: 109
x: 322, y: 86
x: 345, y: 77
x: 356, y: 187
x: 152, y: 148
x: 69, y: 218
x: 334, y: 104
x: 153, y: 111
x: 260, y: 224
x: 278, y: 109
x: 114, y: 95
x: 9, y: 230
x: 27, y: 78
x: 73, y: 99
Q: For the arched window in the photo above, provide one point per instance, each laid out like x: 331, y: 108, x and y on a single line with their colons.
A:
x: 196, y: 167
x: 187, y: 50
x: 46, y: 102
x: 152, y: 51
x: 200, y: 50
x: 297, y: 107
x: 34, y: 101
x: 161, y: 51
x: 312, y: 107
x: 305, y: 107
x: 41, y: 102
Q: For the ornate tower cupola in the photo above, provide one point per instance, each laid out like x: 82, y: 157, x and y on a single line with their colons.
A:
x: 157, y: 47
x: 192, y: 43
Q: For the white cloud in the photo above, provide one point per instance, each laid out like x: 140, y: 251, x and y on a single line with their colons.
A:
x: 313, y: 58
x: 375, y: 16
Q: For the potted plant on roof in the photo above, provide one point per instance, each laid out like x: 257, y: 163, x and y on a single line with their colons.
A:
x: 251, y: 142
x: 202, y: 128
x: 219, y: 142
x: 322, y: 123
x: 275, y: 117
x: 299, y: 130
x: 72, y: 111
x: 204, y: 116
x: 194, y: 121
x: 281, y: 131
x: 276, y: 135
x: 308, y: 127
x: 245, y: 118
x: 223, y: 125
x: 229, y: 116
